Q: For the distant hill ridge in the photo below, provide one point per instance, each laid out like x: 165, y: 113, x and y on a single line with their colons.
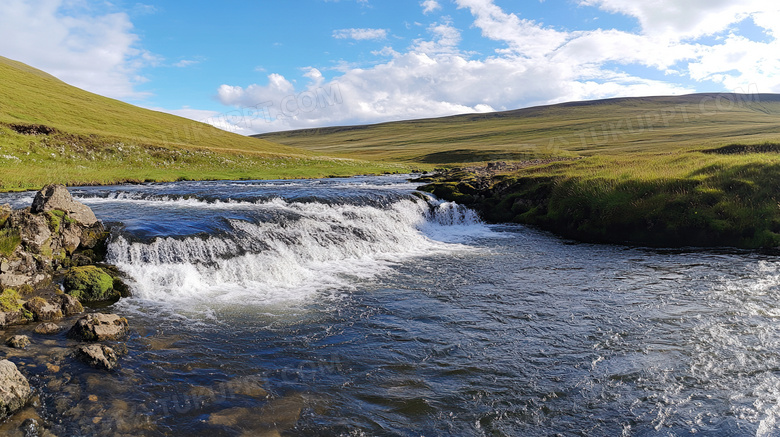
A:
x: 615, y: 125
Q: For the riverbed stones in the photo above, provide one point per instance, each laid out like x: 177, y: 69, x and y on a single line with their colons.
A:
x: 68, y: 304
x: 18, y: 342
x: 11, y: 318
x: 57, y: 197
x: 43, y: 310
x: 99, y: 327
x: 97, y: 355
x: 47, y: 328
x: 15, y: 391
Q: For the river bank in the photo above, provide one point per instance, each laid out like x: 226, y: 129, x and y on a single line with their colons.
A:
x: 726, y: 197
x: 52, y: 264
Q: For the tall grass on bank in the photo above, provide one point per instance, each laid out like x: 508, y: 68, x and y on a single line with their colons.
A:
x: 669, y: 200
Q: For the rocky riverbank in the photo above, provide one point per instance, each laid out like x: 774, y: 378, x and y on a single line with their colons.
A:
x: 51, y: 266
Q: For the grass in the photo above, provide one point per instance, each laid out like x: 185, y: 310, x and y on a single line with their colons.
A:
x: 606, y: 127
x: 51, y: 132
x: 671, y: 199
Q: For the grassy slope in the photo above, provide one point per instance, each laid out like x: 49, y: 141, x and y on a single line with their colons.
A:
x: 642, y: 176
x: 94, y: 139
x: 614, y: 126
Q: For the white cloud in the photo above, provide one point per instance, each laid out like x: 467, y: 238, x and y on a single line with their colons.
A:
x: 446, y: 40
x: 681, y: 19
x: 185, y: 63
x: 360, y: 34
x: 430, y: 6
x: 535, y: 64
x: 95, y: 51
x: 524, y: 37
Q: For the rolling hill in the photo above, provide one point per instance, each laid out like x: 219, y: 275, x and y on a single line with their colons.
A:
x: 53, y: 132
x: 612, y: 126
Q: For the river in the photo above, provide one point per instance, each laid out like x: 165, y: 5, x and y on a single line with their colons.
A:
x: 355, y: 307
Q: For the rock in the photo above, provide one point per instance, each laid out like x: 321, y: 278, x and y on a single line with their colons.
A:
x: 43, y: 310
x: 47, y: 328
x: 11, y: 312
x: 68, y: 304
x: 18, y: 342
x: 99, y: 327
x: 57, y: 197
x: 31, y: 427
x: 33, y: 229
x: 11, y: 318
x: 15, y: 391
x: 90, y: 284
x: 97, y: 355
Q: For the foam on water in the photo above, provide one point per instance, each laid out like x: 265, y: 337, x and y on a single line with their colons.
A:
x: 325, y: 247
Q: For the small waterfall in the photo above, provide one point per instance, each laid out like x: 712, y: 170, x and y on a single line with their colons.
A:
x: 306, y: 247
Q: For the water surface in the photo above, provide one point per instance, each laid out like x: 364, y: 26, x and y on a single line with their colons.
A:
x: 354, y: 307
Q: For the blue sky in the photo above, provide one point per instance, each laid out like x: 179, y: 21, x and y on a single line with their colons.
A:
x: 259, y: 66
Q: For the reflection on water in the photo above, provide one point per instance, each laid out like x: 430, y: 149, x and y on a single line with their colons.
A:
x: 352, y: 307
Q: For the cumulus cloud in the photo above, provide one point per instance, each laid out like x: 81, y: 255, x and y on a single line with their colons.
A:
x: 681, y: 19
x: 533, y: 64
x: 360, y: 34
x: 96, y: 51
x: 430, y: 6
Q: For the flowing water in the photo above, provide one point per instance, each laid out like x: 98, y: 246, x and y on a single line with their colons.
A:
x: 355, y: 307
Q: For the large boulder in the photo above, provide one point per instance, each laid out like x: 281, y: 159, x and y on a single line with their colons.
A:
x: 97, y: 355
x: 99, y: 327
x: 90, y: 284
x: 57, y: 197
x: 15, y: 391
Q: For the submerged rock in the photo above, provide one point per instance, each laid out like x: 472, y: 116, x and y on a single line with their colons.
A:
x: 47, y: 328
x: 15, y: 391
x: 57, y: 197
x: 97, y: 355
x: 99, y: 327
x: 18, y: 342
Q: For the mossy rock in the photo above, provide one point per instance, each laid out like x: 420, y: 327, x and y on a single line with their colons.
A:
x: 10, y: 301
x: 10, y: 239
x: 90, y: 284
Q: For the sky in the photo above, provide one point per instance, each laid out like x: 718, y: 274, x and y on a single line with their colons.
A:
x: 269, y: 65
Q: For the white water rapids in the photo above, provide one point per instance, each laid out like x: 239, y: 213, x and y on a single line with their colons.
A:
x: 306, y: 247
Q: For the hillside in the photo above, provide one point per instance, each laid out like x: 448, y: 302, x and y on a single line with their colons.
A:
x: 54, y: 132
x: 612, y: 126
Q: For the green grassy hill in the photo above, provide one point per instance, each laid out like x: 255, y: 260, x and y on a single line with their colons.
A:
x: 613, y: 126
x: 53, y: 132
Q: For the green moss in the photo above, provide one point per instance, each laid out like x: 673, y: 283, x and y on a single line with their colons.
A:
x: 9, y: 301
x: 9, y: 241
x: 25, y: 289
x: 90, y: 284
x: 55, y: 219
